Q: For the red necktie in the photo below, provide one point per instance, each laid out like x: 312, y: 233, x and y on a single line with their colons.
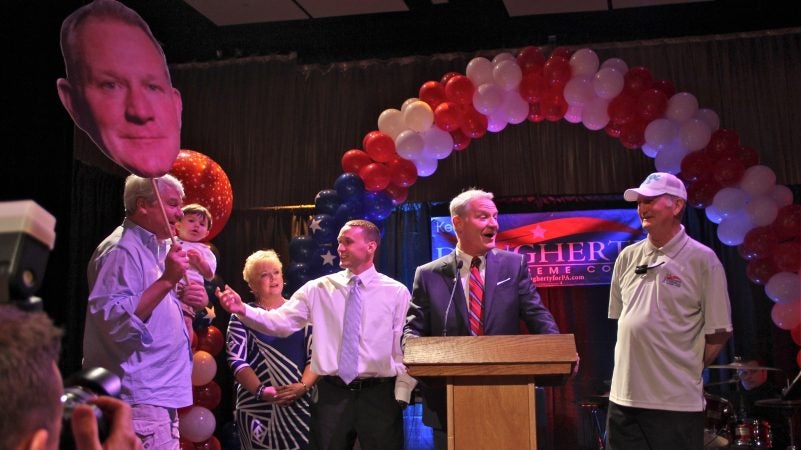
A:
x: 476, y: 313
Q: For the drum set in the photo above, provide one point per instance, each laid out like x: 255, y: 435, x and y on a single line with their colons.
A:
x: 724, y: 427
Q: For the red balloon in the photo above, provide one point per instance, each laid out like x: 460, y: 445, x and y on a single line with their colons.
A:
x: 207, y: 396
x: 636, y: 80
x: 193, y: 346
x: 701, y: 192
x: 557, y: 71
x: 622, y: 109
x: 553, y: 106
x: 723, y: 143
x: 474, y: 124
x: 728, y: 171
x: 460, y: 140
x: 448, y: 116
x: 211, y: 443
x: 651, y: 104
x: 788, y: 222
x: 632, y: 134
x: 666, y: 86
x: 759, y: 271
x: 459, y: 89
x: 612, y: 130
x: 787, y: 256
x: 748, y: 156
x: 432, y: 93
x: 402, y: 172
x: 397, y: 193
x: 694, y: 165
x: 444, y: 80
x: 376, y: 177
x: 533, y: 87
x: 211, y: 340
x: 186, y: 444
x: 758, y: 243
x: 379, y: 146
x: 535, y: 112
x: 205, y: 183
x: 561, y: 52
x: 795, y: 333
x: 353, y: 160
x: 530, y: 59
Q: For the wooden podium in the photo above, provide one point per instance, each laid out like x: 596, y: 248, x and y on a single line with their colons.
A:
x: 490, y: 383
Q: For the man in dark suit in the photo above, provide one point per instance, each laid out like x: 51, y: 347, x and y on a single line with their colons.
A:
x: 502, y: 293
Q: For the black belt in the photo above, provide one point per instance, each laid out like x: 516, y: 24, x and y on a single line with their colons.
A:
x: 357, y: 384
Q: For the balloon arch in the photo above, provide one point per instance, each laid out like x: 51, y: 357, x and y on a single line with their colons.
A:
x: 722, y: 175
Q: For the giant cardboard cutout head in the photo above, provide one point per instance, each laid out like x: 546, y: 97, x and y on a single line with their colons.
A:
x: 118, y: 88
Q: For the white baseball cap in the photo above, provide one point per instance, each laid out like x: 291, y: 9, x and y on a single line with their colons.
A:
x: 657, y: 183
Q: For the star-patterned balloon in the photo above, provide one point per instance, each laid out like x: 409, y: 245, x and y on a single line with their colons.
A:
x: 205, y: 183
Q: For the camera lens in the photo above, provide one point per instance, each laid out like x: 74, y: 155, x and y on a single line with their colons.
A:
x: 81, y: 387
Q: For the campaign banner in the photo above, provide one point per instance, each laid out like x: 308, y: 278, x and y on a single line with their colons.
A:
x: 566, y: 248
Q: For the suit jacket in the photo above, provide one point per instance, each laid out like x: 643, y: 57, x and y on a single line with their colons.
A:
x: 509, y: 297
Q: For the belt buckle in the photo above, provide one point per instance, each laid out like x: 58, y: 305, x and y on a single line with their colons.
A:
x: 355, y: 385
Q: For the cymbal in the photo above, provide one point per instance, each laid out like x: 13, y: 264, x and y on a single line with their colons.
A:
x: 779, y: 403
x: 738, y: 365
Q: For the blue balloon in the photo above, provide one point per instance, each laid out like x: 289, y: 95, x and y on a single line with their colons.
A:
x: 323, y: 229
x: 327, y: 201
x: 350, y: 209
x: 377, y: 205
x: 326, y: 257
x: 348, y: 185
x: 302, y: 248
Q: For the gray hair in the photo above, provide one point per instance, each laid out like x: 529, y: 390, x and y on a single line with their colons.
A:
x: 98, y: 9
x: 258, y: 256
x: 459, y: 204
x: 137, y: 187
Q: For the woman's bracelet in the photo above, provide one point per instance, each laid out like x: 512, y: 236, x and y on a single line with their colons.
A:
x: 260, y: 390
x: 305, y: 388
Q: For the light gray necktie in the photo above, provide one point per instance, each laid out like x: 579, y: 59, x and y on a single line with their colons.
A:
x: 351, y: 334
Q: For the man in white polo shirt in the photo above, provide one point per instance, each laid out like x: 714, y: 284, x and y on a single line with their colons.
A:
x: 669, y: 295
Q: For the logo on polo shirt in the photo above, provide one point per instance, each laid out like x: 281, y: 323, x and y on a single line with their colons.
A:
x: 672, y: 280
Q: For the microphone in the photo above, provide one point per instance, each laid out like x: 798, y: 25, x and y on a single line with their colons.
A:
x: 644, y: 268
x: 459, y: 265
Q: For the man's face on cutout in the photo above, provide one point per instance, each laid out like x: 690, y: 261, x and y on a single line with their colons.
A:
x: 123, y: 98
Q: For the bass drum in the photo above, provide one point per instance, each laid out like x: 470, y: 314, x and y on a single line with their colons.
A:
x: 718, y: 418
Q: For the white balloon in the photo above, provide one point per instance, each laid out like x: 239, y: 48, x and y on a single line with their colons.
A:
x: 617, y: 64
x: 479, y: 70
x: 730, y: 201
x: 418, y: 116
x: 681, y: 107
x: 515, y: 109
x: 197, y: 424
x: 649, y: 151
x: 713, y: 214
x: 784, y: 287
x: 438, y: 143
x: 710, y: 117
x: 782, y: 195
x: 504, y: 56
x: 595, y: 115
x: 758, y: 180
x: 762, y: 210
x: 669, y: 158
x: 661, y: 133
x: 507, y: 74
x: 573, y: 113
x: 408, y: 102
x: 732, y: 230
x: 608, y: 83
x: 579, y: 91
x: 694, y: 134
x: 496, y: 122
x: 390, y: 122
x: 584, y: 62
x: 425, y: 167
x: 487, y: 98
x: 409, y: 144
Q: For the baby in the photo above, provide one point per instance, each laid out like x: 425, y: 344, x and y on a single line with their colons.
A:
x: 192, y: 229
